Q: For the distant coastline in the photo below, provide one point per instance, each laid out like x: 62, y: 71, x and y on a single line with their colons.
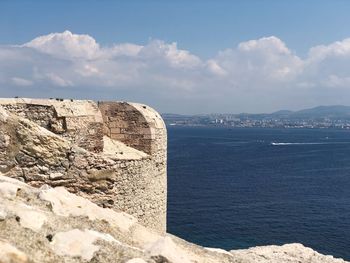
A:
x: 321, y: 117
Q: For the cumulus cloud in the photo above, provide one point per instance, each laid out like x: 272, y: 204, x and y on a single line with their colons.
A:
x: 65, y: 45
x: 256, y: 75
x: 256, y: 62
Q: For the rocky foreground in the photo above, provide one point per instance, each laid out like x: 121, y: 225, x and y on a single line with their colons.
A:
x: 53, y: 225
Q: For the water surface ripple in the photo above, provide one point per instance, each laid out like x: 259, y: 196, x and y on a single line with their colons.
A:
x: 237, y: 188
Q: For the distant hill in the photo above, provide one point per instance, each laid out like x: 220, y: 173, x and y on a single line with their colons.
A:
x: 331, y: 112
x: 282, y: 112
x: 319, y: 112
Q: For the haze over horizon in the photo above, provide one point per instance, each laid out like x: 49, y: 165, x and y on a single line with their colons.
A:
x: 186, y: 57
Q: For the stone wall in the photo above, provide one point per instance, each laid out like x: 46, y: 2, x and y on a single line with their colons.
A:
x: 130, y: 124
x: 43, y: 115
x: 78, y: 121
x: 114, y: 175
x: 141, y: 127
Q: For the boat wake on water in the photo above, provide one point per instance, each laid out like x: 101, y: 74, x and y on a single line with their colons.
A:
x: 304, y: 143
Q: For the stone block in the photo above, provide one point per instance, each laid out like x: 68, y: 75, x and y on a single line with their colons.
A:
x: 115, y: 130
x: 116, y: 136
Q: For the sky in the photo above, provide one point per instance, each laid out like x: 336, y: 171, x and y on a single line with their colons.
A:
x: 188, y: 57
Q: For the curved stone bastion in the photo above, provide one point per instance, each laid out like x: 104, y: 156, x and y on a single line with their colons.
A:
x: 112, y: 153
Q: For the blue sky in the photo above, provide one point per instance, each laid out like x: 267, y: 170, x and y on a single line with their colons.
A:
x: 210, y: 31
x: 203, y: 27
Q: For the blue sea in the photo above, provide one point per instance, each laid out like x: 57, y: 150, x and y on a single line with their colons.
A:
x: 238, y: 188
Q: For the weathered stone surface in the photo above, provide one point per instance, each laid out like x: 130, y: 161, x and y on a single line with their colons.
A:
x: 29, y: 217
x: 136, y: 260
x: 79, y: 121
x: 3, y: 213
x: 76, y: 230
x: 293, y: 253
x: 10, y: 254
x: 77, y: 243
x: 66, y: 204
x: 77, y: 155
x: 8, y: 190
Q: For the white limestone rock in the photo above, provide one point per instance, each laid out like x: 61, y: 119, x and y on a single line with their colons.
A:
x: 10, y: 254
x: 292, y: 253
x: 166, y: 247
x: 30, y: 217
x: 8, y: 190
x: 40, y: 143
x: 136, y: 260
x: 77, y: 243
x: 66, y: 204
x: 218, y: 250
x: 3, y: 213
x: 3, y: 115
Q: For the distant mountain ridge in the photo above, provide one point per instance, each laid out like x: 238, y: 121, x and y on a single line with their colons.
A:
x: 319, y: 112
x: 331, y: 112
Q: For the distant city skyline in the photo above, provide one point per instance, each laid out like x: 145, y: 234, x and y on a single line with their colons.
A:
x: 187, y: 57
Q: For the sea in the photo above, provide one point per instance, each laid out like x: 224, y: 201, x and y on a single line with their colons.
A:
x: 244, y: 187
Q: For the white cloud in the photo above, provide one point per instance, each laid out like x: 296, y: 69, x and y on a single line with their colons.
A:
x: 336, y: 49
x: 160, y: 52
x: 21, y: 82
x: 65, y: 45
x: 125, y: 49
x: 266, y: 60
x: 214, y: 68
x: 266, y: 44
x: 58, y: 81
x: 256, y: 75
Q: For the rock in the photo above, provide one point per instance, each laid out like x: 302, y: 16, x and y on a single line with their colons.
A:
x: 55, y: 176
x: 292, y: 253
x: 64, y: 203
x: 100, y: 175
x: 25, y: 160
x: 136, y: 260
x: 3, y: 115
x: 8, y: 190
x: 40, y: 143
x: 168, y: 249
x: 30, y: 217
x: 218, y: 250
x: 3, y: 213
x: 77, y: 243
x: 10, y: 254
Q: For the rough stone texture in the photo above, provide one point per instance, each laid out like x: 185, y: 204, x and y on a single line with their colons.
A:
x: 10, y: 254
x: 78, y: 155
x: 77, y: 230
x: 78, y: 121
x: 286, y: 253
x: 136, y: 125
x: 141, y: 127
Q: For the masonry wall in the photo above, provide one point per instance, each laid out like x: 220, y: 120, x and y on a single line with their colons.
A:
x: 141, y: 127
x: 43, y: 115
x: 73, y: 120
x: 32, y: 151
